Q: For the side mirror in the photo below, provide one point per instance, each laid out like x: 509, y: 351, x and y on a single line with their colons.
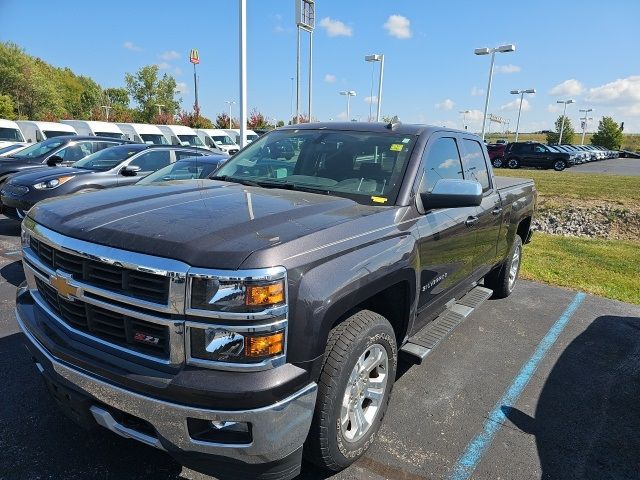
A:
x: 453, y: 193
x: 130, y: 171
x: 54, y: 160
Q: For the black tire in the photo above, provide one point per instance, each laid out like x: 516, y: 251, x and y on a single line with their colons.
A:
x: 499, y: 279
x: 498, y: 162
x: 559, y: 165
x: 327, y: 445
x: 513, y: 163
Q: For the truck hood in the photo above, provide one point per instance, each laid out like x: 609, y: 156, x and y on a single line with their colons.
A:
x: 31, y: 177
x: 203, y: 223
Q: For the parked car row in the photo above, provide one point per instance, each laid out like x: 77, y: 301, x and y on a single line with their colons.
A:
x: 217, y: 140
x: 533, y: 154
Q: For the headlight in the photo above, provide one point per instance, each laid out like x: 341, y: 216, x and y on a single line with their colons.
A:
x: 217, y: 344
x: 25, y: 238
x: 53, y: 183
x: 235, y: 296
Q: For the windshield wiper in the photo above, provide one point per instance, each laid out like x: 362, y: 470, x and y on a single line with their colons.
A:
x: 227, y: 178
x: 268, y: 184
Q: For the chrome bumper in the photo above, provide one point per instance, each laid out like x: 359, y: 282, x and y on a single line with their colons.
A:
x: 277, y: 430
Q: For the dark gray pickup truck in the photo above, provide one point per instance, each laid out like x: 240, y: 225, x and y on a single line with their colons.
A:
x: 237, y: 321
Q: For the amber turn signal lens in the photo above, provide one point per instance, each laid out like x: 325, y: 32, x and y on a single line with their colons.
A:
x: 266, y: 346
x: 260, y: 295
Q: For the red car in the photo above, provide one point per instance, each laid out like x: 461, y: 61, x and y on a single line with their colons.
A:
x: 496, y: 154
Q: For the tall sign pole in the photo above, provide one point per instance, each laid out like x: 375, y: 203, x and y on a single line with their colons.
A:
x: 194, y: 57
x: 243, y: 73
x: 305, y: 20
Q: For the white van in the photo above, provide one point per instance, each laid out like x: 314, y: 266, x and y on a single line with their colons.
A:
x: 95, y: 129
x: 181, y: 135
x: 143, y: 133
x: 9, y: 133
x: 234, y: 133
x: 39, y: 131
x: 217, y: 140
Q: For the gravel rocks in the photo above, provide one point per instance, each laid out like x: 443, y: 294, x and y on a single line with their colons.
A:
x: 601, y: 221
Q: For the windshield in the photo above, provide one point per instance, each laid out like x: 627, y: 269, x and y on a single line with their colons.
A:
x: 106, y: 159
x: 182, y: 170
x: 55, y: 133
x: 251, y: 137
x: 11, y: 134
x: 365, y: 166
x: 223, y: 139
x: 192, y: 140
x: 110, y: 135
x: 155, y: 139
x: 39, y: 149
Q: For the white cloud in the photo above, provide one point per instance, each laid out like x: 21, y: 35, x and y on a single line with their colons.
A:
x: 515, y: 104
x: 446, y: 104
x: 476, y: 92
x: 177, y: 71
x: 553, y: 108
x: 335, y: 28
x: 129, y: 45
x: 475, y: 115
x: 398, y: 26
x: 450, y: 162
x: 181, y: 87
x: 341, y: 116
x: 509, y: 68
x: 568, y: 87
x: 163, y: 66
x: 623, y: 91
x: 169, y: 55
x: 373, y: 99
x: 329, y: 78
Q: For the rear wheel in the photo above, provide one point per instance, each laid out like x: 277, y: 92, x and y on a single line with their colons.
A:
x: 559, y: 165
x: 498, y: 162
x: 503, y: 279
x: 353, y: 392
x: 513, y: 163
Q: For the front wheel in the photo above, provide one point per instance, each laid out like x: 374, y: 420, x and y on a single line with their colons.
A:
x: 353, y: 392
x: 559, y: 165
x: 513, y: 163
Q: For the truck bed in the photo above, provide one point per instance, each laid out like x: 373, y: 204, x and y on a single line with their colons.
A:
x: 509, y: 182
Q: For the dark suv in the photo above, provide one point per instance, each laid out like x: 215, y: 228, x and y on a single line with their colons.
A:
x: 531, y: 154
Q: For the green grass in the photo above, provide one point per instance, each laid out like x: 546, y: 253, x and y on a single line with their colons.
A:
x: 610, y: 268
x: 631, y: 140
x: 555, y: 188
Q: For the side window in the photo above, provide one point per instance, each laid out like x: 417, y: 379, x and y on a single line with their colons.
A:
x: 475, y: 164
x: 76, y: 151
x: 539, y: 149
x: 180, y: 154
x: 442, y: 161
x: 97, y: 146
x: 152, y: 161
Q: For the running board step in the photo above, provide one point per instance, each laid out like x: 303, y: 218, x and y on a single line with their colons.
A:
x: 421, y: 344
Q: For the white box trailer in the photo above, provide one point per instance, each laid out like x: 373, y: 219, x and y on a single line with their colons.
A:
x: 234, y: 133
x: 34, y: 131
x: 217, y: 140
x: 95, y: 128
x: 143, y: 133
x: 181, y: 135
x: 9, y: 133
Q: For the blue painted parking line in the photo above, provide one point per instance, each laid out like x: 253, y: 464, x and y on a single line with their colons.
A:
x: 476, y: 449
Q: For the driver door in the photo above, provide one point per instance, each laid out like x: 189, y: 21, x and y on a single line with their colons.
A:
x: 149, y: 162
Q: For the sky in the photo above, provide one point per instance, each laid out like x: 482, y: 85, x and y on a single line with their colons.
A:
x: 586, y: 51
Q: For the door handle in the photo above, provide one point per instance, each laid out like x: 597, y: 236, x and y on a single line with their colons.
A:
x: 470, y: 221
x: 497, y: 211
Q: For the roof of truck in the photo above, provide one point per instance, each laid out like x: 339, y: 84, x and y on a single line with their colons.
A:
x: 402, y: 128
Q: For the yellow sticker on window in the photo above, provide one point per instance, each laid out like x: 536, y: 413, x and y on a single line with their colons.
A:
x: 396, y: 147
x: 379, y: 199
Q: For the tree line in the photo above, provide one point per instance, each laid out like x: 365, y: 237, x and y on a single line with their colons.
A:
x: 609, y: 134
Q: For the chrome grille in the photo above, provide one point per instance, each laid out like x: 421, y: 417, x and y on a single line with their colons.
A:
x: 105, y: 324
x: 141, y: 285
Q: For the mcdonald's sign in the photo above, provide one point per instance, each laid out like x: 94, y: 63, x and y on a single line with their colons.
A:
x: 194, y: 56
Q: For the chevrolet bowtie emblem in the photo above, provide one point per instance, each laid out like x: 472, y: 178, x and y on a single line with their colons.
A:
x: 60, y: 282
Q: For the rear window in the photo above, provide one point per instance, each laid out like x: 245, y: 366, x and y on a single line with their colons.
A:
x: 475, y: 164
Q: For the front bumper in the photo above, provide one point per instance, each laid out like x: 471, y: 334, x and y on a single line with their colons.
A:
x: 277, y: 430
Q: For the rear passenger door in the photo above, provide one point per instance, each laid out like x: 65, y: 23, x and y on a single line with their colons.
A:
x: 446, y: 245
x: 488, y: 216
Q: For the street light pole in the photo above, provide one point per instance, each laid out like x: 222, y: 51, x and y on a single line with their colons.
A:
x: 230, y: 102
x: 564, y: 115
x: 378, y: 58
x: 492, y: 51
x: 243, y: 73
x: 349, y: 94
x: 159, y: 105
x: 106, y: 110
x: 584, y: 119
x: 521, y: 93
x: 464, y: 118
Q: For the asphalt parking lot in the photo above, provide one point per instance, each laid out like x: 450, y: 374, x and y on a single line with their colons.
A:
x: 613, y: 166
x: 544, y: 384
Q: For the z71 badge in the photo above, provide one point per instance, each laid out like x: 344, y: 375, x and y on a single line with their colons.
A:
x: 144, y: 338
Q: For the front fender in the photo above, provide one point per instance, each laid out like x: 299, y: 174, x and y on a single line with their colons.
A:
x: 327, y: 291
